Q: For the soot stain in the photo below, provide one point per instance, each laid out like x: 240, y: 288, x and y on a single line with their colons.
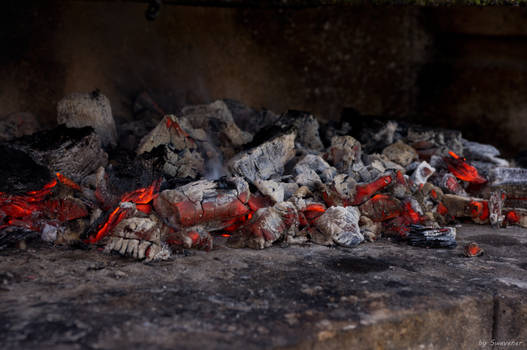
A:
x: 358, y: 265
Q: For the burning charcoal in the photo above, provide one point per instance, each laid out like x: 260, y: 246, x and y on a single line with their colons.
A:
x: 338, y: 225
x: 516, y: 216
x: 411, y: 213
x: 140, y: 238
x: 462, y: 170
x: 168, y: 131
x: 312, y: 169
x: 53, y: 205
x: 343, y: 153
x: 345, y: 191
x: 370, y: 230
x: 482, y: 152
x: 381, y: 207
x: 134, y: 203
x: 266, y: 226
x: 75, y: 153
x: 432, y: 237
x: 216, y: 119
x: 270, y: 188
x: 422, y: 173
x: 462, y: 207
x: 265, y: 160
x: 82, y: 109
x: 450, y: 184
x: 428, y: 196
x: 17, y: 124
x: 472, y: 249
x: 400, y: 153
x: 173, y: 151
x: 204, y: 203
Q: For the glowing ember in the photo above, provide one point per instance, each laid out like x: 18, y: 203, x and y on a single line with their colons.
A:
x: 32, y: 209
x: 462, y: 170
x: 472, y: 250
x: 141, y: 197
x: 363, y: 192
x: 512, y: 217
x: 479, y: 210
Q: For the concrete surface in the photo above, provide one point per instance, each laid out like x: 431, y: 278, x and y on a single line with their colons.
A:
x: 382, y: 295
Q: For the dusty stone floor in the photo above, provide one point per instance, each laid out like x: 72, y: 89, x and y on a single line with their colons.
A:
x: 381, y: 295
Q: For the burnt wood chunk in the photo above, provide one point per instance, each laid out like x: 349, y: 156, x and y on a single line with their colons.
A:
x: 343, y: 153
x: 89, y: 109
x: 73, y: 152
x: 265, y: 160
x: 338, y: 225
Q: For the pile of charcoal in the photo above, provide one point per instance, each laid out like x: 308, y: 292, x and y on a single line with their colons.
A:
x: 163, y: 182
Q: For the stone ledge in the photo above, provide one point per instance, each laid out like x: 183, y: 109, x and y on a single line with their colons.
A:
x: 378, y: 295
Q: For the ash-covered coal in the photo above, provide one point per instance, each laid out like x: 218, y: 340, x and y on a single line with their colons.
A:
x: 256, y: 177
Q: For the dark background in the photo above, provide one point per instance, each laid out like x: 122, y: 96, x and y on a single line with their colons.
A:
x: 457, y: 67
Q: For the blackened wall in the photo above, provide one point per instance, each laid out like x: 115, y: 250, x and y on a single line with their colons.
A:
x: 456, y: 67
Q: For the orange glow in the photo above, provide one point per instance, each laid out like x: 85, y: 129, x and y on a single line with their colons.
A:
x: 462, y: 170
x: 441, y: 209
x: 32, y: 209
x: 363, y: 192
x: 68, y: 182
x: 141, y: 197
x: 479, y: 209
x: 512, y: 217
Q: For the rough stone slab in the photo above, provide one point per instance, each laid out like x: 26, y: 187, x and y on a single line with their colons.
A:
x: 382, y: 294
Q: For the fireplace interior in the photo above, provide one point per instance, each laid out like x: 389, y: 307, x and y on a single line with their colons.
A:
x: 275, y: 174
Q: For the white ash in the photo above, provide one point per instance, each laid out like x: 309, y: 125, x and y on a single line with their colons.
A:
x: 400, y: 153
x: 140, y: 238
x: 370, y: 230
x: 217, y: 117
x: 508, y: 176
x: 496, y: 200
x: 312, y: 169
x: 265, y: 160
x: 307, y: 128
x: 270, y: 188
x: 338, y: 225
x: 343, y: 153
x: 89, y: 109
x: 387, y: 133
x: 168, y: 131
x: 483, y: 152
x: 49, y: 233
x: 449, y: 183
x: 266, y: 226
x: 182, y: 164
x: 422, y: 173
